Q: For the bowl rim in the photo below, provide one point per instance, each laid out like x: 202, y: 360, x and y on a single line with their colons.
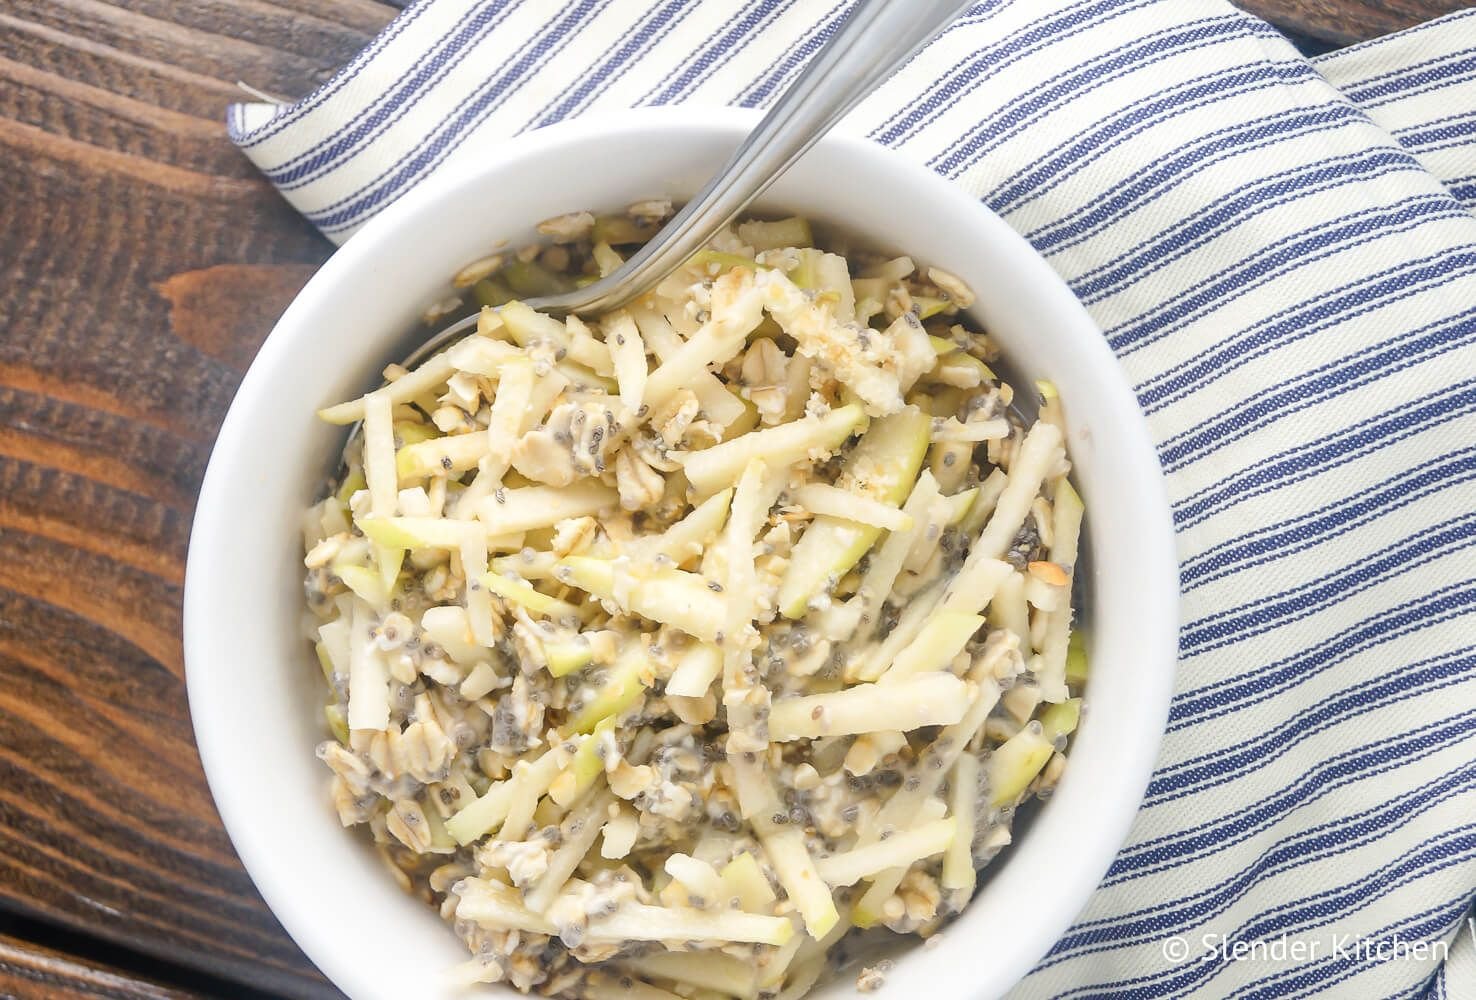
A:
x: 1159, y: 583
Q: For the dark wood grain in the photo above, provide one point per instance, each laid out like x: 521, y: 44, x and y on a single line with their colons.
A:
x: 1344, y: 22
x: 141, y: 264
x: 32, y: 972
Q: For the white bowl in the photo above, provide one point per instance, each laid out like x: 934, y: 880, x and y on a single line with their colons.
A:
x: 254, y: 689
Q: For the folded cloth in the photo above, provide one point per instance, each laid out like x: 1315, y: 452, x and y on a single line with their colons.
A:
x: 1282, y: 255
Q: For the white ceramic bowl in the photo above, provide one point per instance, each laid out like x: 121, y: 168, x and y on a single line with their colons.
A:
x: 254, y: 689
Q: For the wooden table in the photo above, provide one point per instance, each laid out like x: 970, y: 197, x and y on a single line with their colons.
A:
x: 143, y: 262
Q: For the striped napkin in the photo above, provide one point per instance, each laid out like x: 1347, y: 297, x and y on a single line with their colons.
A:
x: 1283, y: 256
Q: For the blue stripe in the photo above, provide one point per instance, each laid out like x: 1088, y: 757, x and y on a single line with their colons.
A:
x: 1296, y: 396
x: 1170, y: 173
x: 1299, y: 850
x: 1147, y: 329
x: 1455, y: 130
x: 1237, y: 205
x: 1342, y: 833
x: 960, y: 81
x: 1301, y: 847
x: 790, y: 62
x: 1435, y: 853
x: 1400, y: 42
x: 1435, y: 83
x: 1441, y: 853
x: 1228, y: 763
x: 1304, y: 912
x: 1297, y: 252
x: 1445, y: 70
x: 1463, y: 189
x: 296, y: 112
x: 1294, y: 535
x: 362, y: 129
x: 1296, y: 464
x: 1436, y: 922
x: 388, y: 185
x: 1313, y: 317
x: 1222, y: 217
x: 1370, y: 85
x: 961, y: 155
x: 1250, y: 620
x: 779, y: 73
x: 1160, y: 110
x: 1452, y: 325
x: 742, y: 46
x: 1168, y: 99
x: 1242, y: 690
x: 638, y: 39
x: 1295, y: 604
x: 727, y: 56
x: 740, y: 32
x: 1437, y: 147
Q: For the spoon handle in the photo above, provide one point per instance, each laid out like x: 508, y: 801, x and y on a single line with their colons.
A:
x: 869, y: 45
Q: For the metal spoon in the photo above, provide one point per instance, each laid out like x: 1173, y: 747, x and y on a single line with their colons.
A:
x: 874, y: 40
